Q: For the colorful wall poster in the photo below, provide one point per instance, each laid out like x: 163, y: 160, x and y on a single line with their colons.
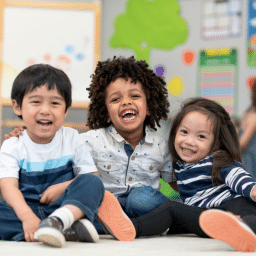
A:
x: 221, y: 19
x: 218, y: 76
x: 251, y: 34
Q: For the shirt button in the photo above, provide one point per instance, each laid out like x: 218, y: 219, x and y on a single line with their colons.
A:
x: 151, y: 168
x: 133, y: 157
x: 130, y: 179
x: 109, y: 166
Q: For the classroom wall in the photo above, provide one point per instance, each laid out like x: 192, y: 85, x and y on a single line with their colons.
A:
x: 172, y: 59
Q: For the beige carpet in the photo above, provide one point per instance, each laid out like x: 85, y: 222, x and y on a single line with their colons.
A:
x: 188, y: 245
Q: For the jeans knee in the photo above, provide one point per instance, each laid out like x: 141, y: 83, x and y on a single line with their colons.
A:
x: 88, y: 181
x: 145, y: 199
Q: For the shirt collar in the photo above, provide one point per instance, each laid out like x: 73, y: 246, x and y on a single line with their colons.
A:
x: 149, y: 137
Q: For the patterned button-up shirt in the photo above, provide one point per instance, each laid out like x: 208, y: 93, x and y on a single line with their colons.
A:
x: 122, y: 169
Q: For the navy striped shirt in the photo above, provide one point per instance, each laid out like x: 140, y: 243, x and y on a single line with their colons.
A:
x: 196, y: 188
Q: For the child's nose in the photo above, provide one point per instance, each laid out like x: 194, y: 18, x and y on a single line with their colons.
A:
x: 45, y: 109
x: 126, y: 100
x: 190, y: 140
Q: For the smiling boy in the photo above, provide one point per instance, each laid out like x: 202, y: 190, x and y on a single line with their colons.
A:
x: 48, y: 174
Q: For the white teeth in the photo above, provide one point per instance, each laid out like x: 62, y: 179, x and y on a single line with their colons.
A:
x: 129, y: 112
x: 188, y: 151
x: 44, y: 122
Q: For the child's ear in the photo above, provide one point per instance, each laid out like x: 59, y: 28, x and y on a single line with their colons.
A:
x: 16, y: 108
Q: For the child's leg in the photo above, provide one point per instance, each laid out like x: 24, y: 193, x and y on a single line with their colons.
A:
x: 82, y: 198
x: 178, y: 217
x: 244, y: 208
x: 114, y: 219
x: 10, y: 225
x: 143, y: 200
x: 229, y: 228
x: 235, y: 225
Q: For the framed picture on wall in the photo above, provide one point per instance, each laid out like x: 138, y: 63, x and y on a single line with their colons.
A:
x: 221, y: 19
x: 64, y: 35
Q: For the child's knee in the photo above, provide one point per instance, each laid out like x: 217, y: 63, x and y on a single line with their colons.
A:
x: 89, y: 181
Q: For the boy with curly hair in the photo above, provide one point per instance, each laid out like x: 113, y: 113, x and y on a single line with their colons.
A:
x: 128, y: 100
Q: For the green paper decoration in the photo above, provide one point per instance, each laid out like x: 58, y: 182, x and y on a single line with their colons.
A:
x: 168, y: 191
x: 149, y: 24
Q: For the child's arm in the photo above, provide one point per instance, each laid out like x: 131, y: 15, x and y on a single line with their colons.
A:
x: 52, y: 193
x: 240, y: 181
x: 248, y: 132
x: 13, y: 197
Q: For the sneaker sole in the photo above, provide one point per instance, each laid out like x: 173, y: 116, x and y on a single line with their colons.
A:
x: 114, y: 219
x: 90, y: 236
x: 50, y: 236
x: 225, y: 227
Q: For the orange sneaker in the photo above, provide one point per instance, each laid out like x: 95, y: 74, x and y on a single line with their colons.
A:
x: 228, y: 228
x: 114, y: 219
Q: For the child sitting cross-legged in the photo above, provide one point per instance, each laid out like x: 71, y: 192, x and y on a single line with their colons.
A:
x: 47, y: 174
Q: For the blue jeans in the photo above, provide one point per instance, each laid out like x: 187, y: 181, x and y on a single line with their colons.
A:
x: 86, y: 192
x: 139, y: 201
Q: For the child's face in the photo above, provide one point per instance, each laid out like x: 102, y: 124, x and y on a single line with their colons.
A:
x: 127, y: 106
x: 43, y: 112
x: 194, y: 137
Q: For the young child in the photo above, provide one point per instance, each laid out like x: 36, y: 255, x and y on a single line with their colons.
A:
x: 47, y: 173
x: 127, y: 102
x: 206, y: 155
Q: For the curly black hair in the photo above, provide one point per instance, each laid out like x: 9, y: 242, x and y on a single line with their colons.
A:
x: 108, y: 71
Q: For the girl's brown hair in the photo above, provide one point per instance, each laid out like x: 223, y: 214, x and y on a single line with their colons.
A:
x: 225, y: 135
x: 108, y: 71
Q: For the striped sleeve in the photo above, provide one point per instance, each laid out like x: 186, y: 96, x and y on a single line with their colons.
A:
x: 238, y: 179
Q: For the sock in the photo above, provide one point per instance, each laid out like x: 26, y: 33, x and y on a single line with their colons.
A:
x: 65, y: 215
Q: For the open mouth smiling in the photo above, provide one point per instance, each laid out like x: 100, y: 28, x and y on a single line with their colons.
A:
x: 44, y: 122
x: 128, y: 115
x: 188, y: 151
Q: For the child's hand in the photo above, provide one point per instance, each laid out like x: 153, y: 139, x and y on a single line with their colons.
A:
x: 15, y: 133
x: 30, y: 226
x: 253, y: 193
x: 52, y: 193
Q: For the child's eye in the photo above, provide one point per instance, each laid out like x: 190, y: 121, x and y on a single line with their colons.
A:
x: 115, y: 99
x: 201, y: 136
x: 35, y: 101
x: 135, y: 96
x: 55, y: 103
x: 183, y: 131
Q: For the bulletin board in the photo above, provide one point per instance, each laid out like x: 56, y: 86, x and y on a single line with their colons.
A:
x: 64, y: 35
x: 217, y: 77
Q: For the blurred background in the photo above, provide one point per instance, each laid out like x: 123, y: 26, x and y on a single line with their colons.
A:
x: 201, y: 47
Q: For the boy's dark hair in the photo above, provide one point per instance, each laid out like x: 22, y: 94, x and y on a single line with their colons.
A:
x: 108, y: 71
x: 225, y: 135
x: 38, y: 75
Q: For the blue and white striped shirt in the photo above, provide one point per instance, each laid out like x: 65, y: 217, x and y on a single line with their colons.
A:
x: 196, y: 188
x: 38, y: 166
